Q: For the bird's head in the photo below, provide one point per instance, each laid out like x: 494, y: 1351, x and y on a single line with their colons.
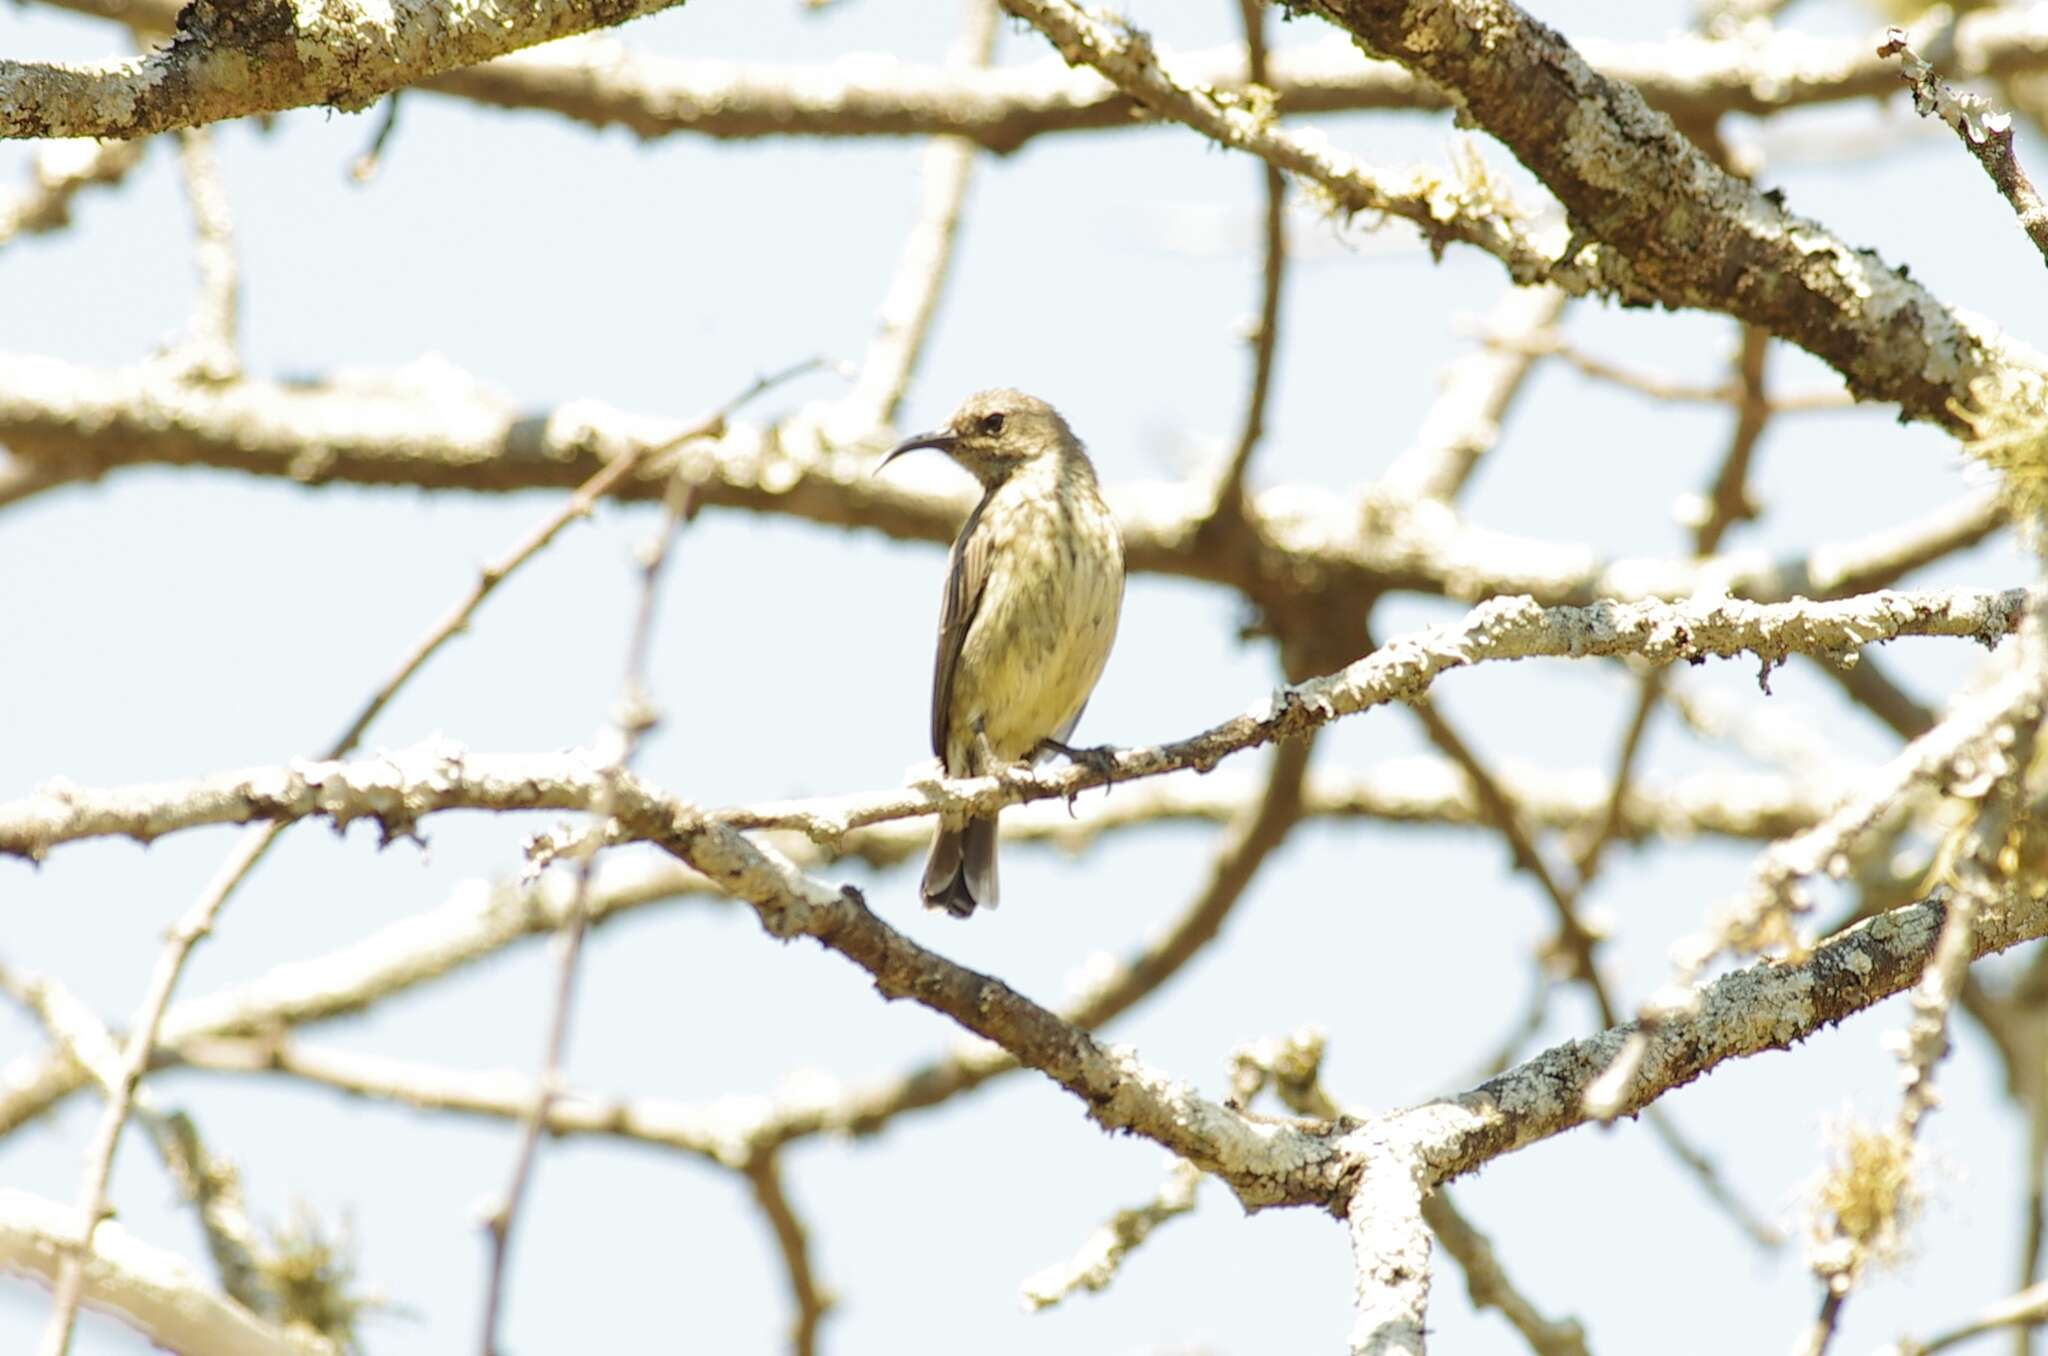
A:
x: 993, y: 433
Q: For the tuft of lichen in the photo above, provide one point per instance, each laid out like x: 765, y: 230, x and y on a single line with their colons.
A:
x: 2008, y: 425
x: 311, y: 1275
x: 1863, y: 1203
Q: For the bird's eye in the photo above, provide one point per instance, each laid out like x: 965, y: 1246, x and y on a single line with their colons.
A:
x: 991, y: 424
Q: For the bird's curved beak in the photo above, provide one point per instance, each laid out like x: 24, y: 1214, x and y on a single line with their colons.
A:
x: 943, y: 439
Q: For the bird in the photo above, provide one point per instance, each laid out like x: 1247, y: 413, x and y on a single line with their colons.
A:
x: 1034, y: 588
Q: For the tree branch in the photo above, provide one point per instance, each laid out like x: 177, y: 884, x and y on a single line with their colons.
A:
x: 1986, y: 133
x: 396, y: 790
x: 1686, y: 232
x: 1099, y: 1259
x: 1464, y: 420
x: 263, y: 56
x: 151, y: 1290
x: 63, y: 170
x: 428, y: 429
x: 603, y: 83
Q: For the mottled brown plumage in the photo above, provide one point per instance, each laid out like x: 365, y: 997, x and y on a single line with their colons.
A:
x: 1033, y: 588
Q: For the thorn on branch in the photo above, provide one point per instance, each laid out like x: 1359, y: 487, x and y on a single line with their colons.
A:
x: 365, y: 166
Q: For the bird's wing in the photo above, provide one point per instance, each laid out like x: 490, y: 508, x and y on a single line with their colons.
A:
x: 966, y: 577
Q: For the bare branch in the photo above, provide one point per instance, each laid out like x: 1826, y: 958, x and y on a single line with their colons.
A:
x: 208, y: 352
x: 1849, y: 1239
x: 435, y: 430
x: 236, y: 61
x: 1464, y: 421
x: 604, y: 83
x: 151, y: 1290
x: 1102, y: 1256
x: 927, y: 256
x: 1763, y: 916
x: 1621, y: 170
x: 64, y: 169
x: 1986, y: 133
x: 2027, y: 1309
x: 191, y: 928
x: 396, y: 790
x: 1759, y: 1230
x: 1462, y: 206
x: 1265, y: 331
x: 1952, y: 749
x: 479, y: 919
x: 208, y: 1184
x: 1767, y: 1006
x: 812, y: 1301
x: 1574, y: 939
x: 1659, y: 386
x: 198, y: 921
x: 1488, y: 1283
x: 1389, y: 1254
x: 634, y: 715
x: 717, y: 1133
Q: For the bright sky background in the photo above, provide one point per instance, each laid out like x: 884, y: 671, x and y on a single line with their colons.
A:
x: 170, y: 623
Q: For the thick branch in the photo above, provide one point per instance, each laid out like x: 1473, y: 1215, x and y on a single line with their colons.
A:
x: 606, y: 84
x: 479, y: 921
x: 1692, y: 234
x: 263, y: 56
x: 1767, y: 1006
x: 436, y: 430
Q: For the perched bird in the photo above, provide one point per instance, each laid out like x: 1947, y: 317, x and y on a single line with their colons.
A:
x: 1033, y: 587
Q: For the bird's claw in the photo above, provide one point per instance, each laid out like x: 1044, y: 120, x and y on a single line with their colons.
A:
x: 1100, y: 760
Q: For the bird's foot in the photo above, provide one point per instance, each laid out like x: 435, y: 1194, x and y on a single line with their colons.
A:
x: 1100, y: 760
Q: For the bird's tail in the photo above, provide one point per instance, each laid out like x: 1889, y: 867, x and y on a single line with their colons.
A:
x: 961, y: 872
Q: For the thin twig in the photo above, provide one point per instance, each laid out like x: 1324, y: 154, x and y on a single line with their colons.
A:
x: 208, y: 1185
x: 926, y: 259
x: 1099, y: 1259
x: 1488, y: 1285
x: 1867, y: 684
x: 365, y: 166
x: 1477, y: 390
x: 1986, y: 133
x: 209, y: 352
x: 1726, y: 503
x: 634, y: 716
x: 2022, y: 1312
x: 1265, y: 336
x: 1659, y: 387
x: 187, y: 933
x: 1760, y: 1231
x: 62, y: 170
x: 1821, y: 1332
x: 1475, y: 213
x: 198, y: 920
x: 812, y: 1300
x: 1574, y: 939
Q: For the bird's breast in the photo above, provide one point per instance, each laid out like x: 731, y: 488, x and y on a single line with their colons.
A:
x: 1047, y: 617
